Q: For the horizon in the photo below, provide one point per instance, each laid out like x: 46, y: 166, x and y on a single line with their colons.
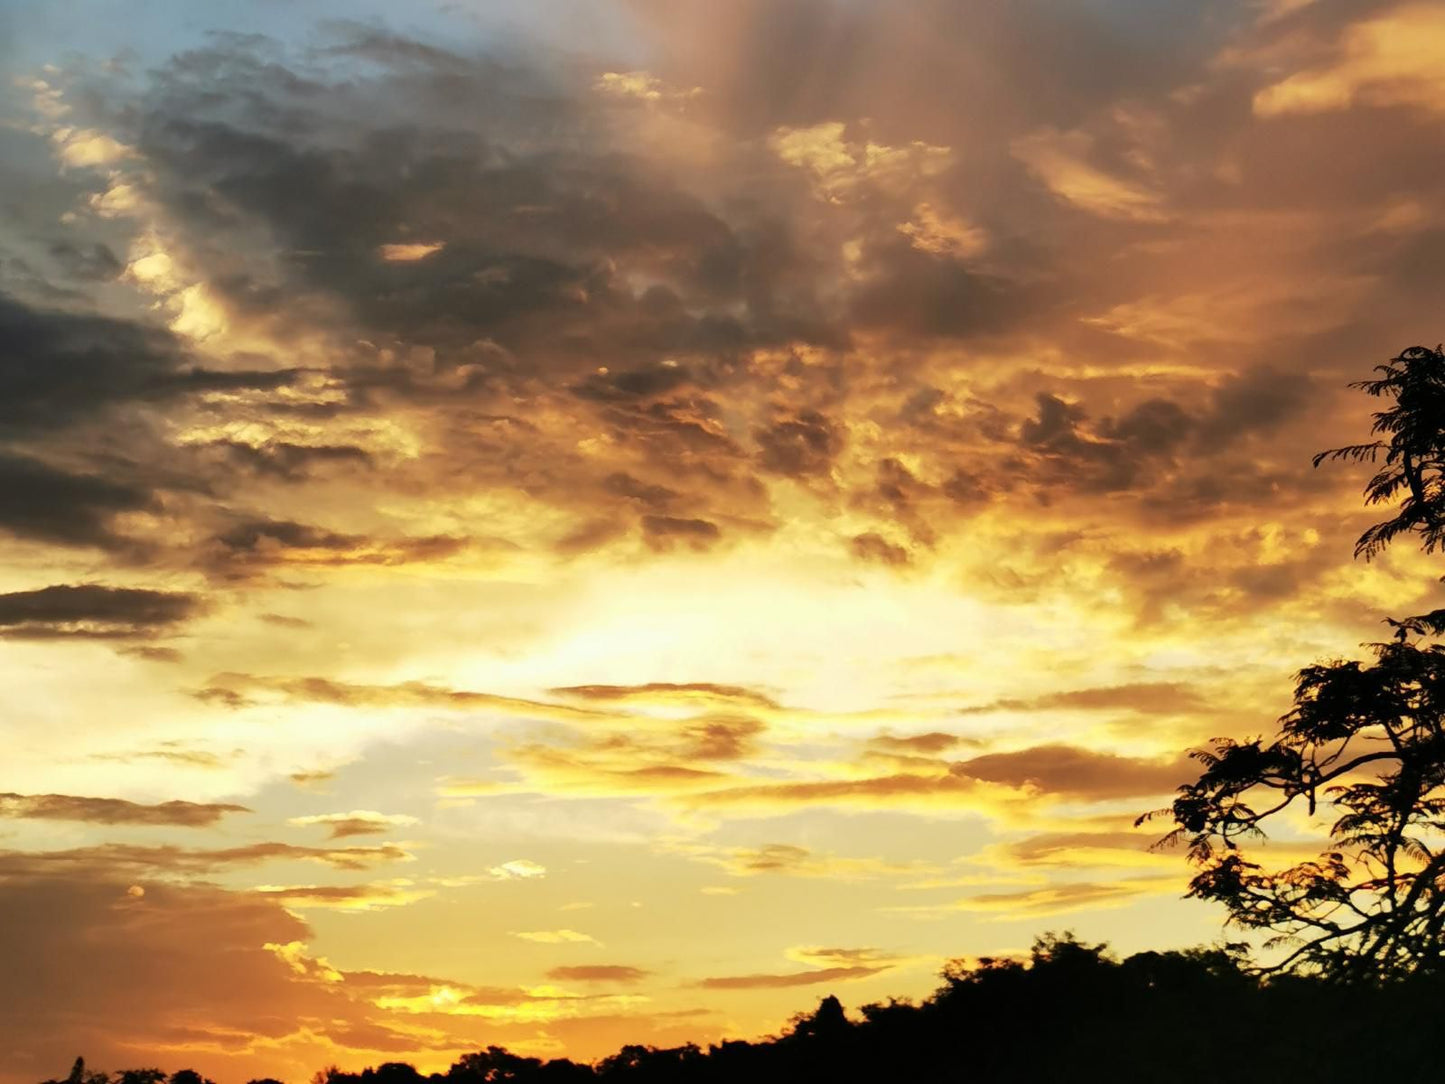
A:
x: 564, y: 524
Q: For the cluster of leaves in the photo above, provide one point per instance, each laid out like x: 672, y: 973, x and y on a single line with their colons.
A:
x: 1370, y: 740
x: 1413, y: 451
x: 1069, y: 1012
x: 1367, y: 739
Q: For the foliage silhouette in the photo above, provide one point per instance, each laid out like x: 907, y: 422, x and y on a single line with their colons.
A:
x: 1070, y: 1012
x: 79, y: 1074
x: 1366, y: 738
x: 1414, y: 453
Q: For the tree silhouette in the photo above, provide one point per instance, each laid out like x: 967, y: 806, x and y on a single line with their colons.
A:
x: 1368, y: 739
x: 79, y: 1074
x: 1070, y: 1011
x: 1414, y: 453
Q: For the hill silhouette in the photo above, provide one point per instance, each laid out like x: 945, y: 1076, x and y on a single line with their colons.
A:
x: 1070, y: 1012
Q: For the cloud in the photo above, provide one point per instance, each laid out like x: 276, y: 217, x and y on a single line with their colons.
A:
x: 502, y: 363
x: 1144, y: 698
x: 668, y: 693
x: 1060, y: 160
x: 131, y: 860
x: 614, y: 973
x: 263, y: 543
x: 240, y: 689
x: 833, y: 957
x: 831, y: 965
x: 872, y: 546
x: 556, y: 937
x: 359, y: 822
x: 357, y: 897
x: 288, y: 460
x: 103, y: 965
x: 642, y: 86
x: 48, y: 504
x: 1075, y: 850
x: 1074, y: 772
x: 1384, y: 60
x: 68, y: 807
x: 841, y: 169
x: 792, y: 860
x: 937, y: 790
x: 796, y: 978
x: 171, y: 752
x: 1060, y: 899
x: 940, y: 234
x: 519, y: 869
x: 93, y: 611
x: 928, y: 744
x: 63, y: 367
x: 801, y: 445
x: 410, y: 251
x: 662, y: 532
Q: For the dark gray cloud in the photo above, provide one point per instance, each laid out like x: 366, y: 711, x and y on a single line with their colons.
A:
x: 663, y: 532
x: 289, y: 461
x: 123, y: 860
x: 799, y: 445
x: 252, y: 546
x: 93, y: 611
x: 914, y: 294
x: 112, y: 811
x: 48, y: 504
x: 75, y: 453
x: 648, y: 495
x: 554, y: 257
x: 93, y: 262
x: 541, y: 230
x: 1257, y: 400
x: 873, y: 547
x: 60, y: 367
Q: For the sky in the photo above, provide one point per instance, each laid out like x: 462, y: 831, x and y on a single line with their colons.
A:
x: 564, y: 524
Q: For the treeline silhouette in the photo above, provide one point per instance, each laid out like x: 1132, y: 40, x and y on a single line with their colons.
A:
x: 1071, y: 1012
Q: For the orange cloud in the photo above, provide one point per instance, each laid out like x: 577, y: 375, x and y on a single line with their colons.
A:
x: 1060, y: 160
x: 618, y: 973
x: 359, y: 822
x: 409, y: 251
x: 1390, y: 59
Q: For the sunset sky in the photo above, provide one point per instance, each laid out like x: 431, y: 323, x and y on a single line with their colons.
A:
x: 573, y: 522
